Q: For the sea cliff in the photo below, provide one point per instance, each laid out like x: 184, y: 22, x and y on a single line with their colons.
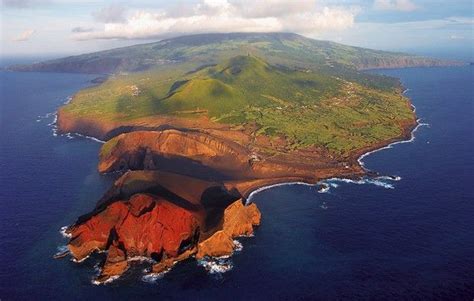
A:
x: 192, y: 138
x: 182, y: 194
x: 148, y: 215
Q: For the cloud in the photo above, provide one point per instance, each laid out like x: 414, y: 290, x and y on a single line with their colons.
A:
x: 456, y: 37
x: 303, y: 16
x: 273, y: 8
x: 400, y: 5
x: 80, y: 29
x: 24, y: 36
x: 110, y: 14
x: 23, y: 3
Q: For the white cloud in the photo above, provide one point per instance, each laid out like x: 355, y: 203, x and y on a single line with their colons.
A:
x: 273, y: 8
x: 79, y: 29
x: 24, y: 36
x: 110, y: 14
x: 401, y: 5
x: 22, y: 3
x: 302, y: 16
x: 456, y: 37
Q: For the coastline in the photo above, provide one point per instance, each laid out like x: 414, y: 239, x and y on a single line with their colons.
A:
x: 391, y: 144
x: 322, y: 182
x: 249, y: 192
x: 267, y: 174
x: 350, y: 229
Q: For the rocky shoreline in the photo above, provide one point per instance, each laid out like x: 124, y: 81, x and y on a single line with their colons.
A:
x: 183, y: 192
x: 146, y: 214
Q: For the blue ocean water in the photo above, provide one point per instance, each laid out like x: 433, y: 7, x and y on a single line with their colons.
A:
x: 413, y: 239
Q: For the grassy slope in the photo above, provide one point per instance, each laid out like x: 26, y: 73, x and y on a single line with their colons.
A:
x: 277, y: 48
x: 306, y: 106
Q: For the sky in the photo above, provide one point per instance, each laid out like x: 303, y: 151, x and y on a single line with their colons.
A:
x: 67, y: 27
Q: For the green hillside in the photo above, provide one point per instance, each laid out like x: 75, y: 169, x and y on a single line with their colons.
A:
x: 286, y: 49
x: 306, y: 107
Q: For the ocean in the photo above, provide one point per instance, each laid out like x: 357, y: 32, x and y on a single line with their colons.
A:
x: 406, y: 237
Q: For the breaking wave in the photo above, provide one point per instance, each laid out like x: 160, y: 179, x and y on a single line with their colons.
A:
x: 86, y: 137
x: 61, y: 251
x: 53, y: 117
x: 249, y: 198
x: 216, y: 265
x: 109, y: 280
x: 412, y: 138
x: 381, y: 181
x: 153, y: 277
x: 64, y: 233
x: 238, y: 246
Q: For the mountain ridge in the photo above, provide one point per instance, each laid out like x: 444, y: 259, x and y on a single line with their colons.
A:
x: 211, y: 118
x: 181, y: 49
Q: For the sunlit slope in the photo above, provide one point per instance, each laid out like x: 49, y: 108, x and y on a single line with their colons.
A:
x: 305, y: 107
x: 287, y: 49
x: 246, y: 81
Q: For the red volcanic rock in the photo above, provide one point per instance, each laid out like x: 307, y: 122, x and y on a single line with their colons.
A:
x: 86, y: 125
x: 137, y: 150
x: 115, y: 265
x: 238, y: 220
x: 179, y: 217
x: 94, y: 234
x: 202, y: 155
x: 219, y: 244
x: 146, y: 225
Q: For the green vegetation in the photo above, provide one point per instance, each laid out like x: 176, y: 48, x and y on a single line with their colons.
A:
x: 288, y: 49
x: 306, y: 107
x: 108, y: 147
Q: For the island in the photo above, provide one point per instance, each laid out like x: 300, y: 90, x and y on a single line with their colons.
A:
x: 193, y: 125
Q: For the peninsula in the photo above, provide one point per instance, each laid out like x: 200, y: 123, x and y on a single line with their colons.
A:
x: 194, y: 124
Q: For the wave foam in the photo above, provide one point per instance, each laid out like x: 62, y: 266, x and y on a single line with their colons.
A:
x: 55, y: 120
x: 412, y: 138
x: 238, y: 246
x: 324, y: 188
x: 68, y: 100
x: 87, y: 137
x: 377, y: 181
x: 141, y: 259
x: 249, y: 198
x: 216, y: 265
x: 153, y: 277
x: 109, y: 280
x: 63, y: 232
x: 97, y: 251
x: 80, y: 260
x: 61, y: 251
x: 54, y: 125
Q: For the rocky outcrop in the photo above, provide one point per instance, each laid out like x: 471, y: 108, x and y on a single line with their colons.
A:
x: 144, y: 149
x: 203, y: 155
x: 150, y: 214
x: 70, y: 123
x: 239, y: 220
x: 145, y: 225
x: 195, y: 210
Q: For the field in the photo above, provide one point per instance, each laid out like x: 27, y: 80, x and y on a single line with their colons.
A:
x: 305, y: 107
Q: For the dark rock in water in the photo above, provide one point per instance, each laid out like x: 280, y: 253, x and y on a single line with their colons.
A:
x: 61, y: 254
